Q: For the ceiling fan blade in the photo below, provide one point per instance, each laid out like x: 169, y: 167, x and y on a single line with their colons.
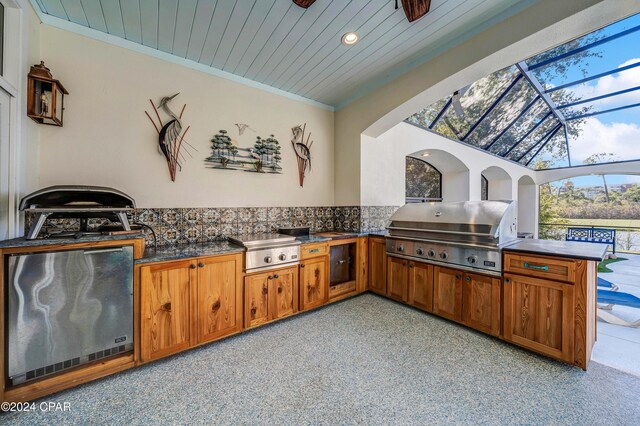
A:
x: 415, y: 9
x: 304, y: 3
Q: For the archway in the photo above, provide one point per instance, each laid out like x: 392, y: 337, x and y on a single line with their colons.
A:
x: 499, y: 183
x: 527, y: 205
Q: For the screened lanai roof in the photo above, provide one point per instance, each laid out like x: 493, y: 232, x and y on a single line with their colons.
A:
x: 575, y: 104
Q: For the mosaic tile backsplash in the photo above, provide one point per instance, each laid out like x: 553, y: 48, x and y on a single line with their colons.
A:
x: 198, y: 225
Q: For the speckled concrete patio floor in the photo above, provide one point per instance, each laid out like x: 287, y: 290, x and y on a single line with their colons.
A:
x: 366, y: 360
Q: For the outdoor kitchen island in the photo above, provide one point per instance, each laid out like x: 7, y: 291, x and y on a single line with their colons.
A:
x: 462, y: 261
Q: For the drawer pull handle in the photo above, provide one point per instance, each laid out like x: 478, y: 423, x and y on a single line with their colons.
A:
x: 276, y: 276
x: 539, y: 267
x: 467, y: 279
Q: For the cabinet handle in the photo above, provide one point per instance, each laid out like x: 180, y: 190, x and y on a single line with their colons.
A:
x: 457, y: 277
x: 192, y: 266
x: 467, y: 279
x: 269, y: 277
x: 539, y: 267
x: 314, y: 250
x: 201, y: 265
x: 411, y: 265
x: 276, y: 276
x: 507, y: 280
x: 302, y: 265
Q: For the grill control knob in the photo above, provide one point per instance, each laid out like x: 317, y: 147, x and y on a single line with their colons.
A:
x: 282, y: 257
x: 401, y: 248
x: 472, y: 259
x: 268, y: 259
x: 444, y: 255
x: 431, y: 253
x: 420, y: 252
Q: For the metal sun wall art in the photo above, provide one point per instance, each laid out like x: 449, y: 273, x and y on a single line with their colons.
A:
x: 263, y: 157
x: 171, y: 137
x: 302, y: 149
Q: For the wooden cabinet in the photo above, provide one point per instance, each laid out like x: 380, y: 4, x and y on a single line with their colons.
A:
x: 314, y: 282
x: 447, y: 293
x: 219, y: 298
x: 420, y: 291
x: 481, y: 303
x: 270, y: 295
x: 284, y: 286
x: 257, y: 309
x: 166, y: 292
x: 538, y: 314
x: 397, y: 278
x: 188, y: 302
x: 378, y: 265
x: 410, y: 282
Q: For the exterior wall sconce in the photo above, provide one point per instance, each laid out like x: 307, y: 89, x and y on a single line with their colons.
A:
x: 45, y: 96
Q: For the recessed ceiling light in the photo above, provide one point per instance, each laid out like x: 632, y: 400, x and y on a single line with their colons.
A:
x: 350, y: 38
x: 426, y: 154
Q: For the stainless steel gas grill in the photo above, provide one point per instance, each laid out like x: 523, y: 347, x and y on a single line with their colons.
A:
x: 268, y: 251
x: 465, y: 235
x: 77, y: 201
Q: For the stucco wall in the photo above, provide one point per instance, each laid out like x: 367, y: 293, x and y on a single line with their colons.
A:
x: 107, y: 139
x: 383, y: 167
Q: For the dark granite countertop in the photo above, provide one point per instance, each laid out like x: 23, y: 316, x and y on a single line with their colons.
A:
x: 314, y: 238
x: 309, y: 239
x: 184, y: 251
x: 571, y: 249
x: 23, y: 242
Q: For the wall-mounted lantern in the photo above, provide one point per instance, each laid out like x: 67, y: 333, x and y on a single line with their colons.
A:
x: 45, y: 96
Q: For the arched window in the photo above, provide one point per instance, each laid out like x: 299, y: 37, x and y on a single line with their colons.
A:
x: 484, y: 188
x: 423, y: 182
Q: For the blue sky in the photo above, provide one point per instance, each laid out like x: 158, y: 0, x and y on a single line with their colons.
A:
x: 617, y: 132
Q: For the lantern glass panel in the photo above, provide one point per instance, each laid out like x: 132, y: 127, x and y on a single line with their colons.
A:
x: 59, y: 105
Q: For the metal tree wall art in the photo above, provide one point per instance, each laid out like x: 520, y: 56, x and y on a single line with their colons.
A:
x: 263, y: 157
x: 302, y: 149
x: 171, y: 137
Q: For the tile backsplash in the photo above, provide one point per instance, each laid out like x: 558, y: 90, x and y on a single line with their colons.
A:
x: 191, y: 225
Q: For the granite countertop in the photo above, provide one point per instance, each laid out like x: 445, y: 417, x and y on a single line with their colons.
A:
x: 571, y: 249
x: 315, y: 238
x: 184, y: 251
x: 23, y: 242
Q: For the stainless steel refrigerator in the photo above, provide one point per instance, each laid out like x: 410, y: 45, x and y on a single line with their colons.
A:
x: 67, y: 308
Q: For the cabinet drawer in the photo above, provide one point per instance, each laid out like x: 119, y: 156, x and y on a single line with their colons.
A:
x: 540, y: 266
x: 308, y: 251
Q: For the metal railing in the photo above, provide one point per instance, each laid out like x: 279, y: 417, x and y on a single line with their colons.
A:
x: 627, y: 238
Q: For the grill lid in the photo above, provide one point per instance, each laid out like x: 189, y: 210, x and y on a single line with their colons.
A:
x: 487, y: 222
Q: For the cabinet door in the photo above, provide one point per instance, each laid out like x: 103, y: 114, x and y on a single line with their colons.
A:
x: 421, y: 286
x: 314, y: 282
x: 219, y: 297
x: 397, y: 278
x: 284, y: 292
x: 481, y: 303
x: 378, y: 265
x: 165, y: 296
x: 447, y: 293
x: 538, y: 314
x: 257, y: 309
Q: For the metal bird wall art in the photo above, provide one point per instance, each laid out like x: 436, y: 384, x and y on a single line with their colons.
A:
x: 171, y: 137
x: 302, y: 149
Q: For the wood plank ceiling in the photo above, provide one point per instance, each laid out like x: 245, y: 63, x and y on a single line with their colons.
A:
x: 282, y: 45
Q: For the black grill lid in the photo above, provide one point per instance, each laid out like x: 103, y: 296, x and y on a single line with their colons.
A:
x: 77, y: 197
